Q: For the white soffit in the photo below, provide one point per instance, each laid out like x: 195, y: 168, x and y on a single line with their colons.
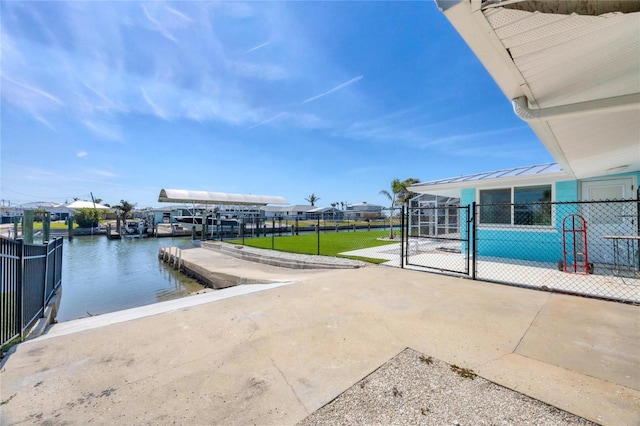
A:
x: 567, y: 59
x: 560, y: 59
x: 220, y: 198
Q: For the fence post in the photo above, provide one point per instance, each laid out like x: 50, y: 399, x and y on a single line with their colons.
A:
x: 20, y: 286
x: 27, y: 226
x: 16, y: 222
x: 55, y: 262
x: 70, y: 227
x: 46, y: 265
x: 474, y: 244
x: 273, y: 234
x: 402, y: 235
x: 318, y: 232
x: 46, y: 226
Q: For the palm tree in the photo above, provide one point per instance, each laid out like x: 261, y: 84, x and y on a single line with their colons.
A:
x: 399, y: 195
x: 125, y: 207
x: 312, y: 199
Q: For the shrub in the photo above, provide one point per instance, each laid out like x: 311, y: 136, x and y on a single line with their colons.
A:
x: 87, y: 218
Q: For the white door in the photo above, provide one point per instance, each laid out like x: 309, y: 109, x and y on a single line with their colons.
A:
x: 607, y: 219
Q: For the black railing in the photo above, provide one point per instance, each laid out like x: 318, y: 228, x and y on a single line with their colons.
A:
x: 30, y: 275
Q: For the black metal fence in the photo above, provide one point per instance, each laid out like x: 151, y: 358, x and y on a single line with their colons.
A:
x: 30, y: 274
x: 438, y: 237
x: 326, y: 235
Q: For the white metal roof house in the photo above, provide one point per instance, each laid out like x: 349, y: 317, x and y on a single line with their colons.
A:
x: 571, y: 70
x: 325, y: 213
x: 363, y: 210
x: 293, y: 211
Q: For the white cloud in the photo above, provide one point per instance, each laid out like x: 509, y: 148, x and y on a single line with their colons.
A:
x: 156, y: 109
x: 82, y: 154
x: 29, y: 95
x: 260, y: 46
x: 104, y: 130
x: 338, y: 87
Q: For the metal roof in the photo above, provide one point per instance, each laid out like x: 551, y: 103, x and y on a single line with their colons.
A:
x: 220, y: 198
x: 517, y: 172
x: 80, y: 204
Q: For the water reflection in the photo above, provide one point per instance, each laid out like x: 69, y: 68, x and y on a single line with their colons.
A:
x: 101, y: 275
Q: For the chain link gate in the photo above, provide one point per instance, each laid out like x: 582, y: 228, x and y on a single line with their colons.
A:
x: 438, y: 238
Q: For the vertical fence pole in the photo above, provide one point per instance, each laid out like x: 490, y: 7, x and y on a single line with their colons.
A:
x: 402, y: 236
x: 70, y: 227
x: 27, y: 226
x: 467, y: 219
x: 20, y: 287
x: 318, y: 232
x: 15, y: 221
x: 46, y: 275
x: 55, y: 263
x: 46, y: 226
x: 474, y: 240
x: 273, y: 234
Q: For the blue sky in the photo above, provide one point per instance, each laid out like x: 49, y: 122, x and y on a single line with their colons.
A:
x: 121, y: 99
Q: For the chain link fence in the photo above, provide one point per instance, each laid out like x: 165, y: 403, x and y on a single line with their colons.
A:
x: 438, y: 238
x: 586, y: 248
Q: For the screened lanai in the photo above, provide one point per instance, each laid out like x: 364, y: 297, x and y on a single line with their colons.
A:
x: 434, y: 216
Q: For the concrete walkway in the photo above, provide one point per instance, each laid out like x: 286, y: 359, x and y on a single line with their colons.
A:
x: 274, y: 356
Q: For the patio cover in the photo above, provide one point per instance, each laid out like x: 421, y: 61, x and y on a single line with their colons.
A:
x: 220, y: 198
x: 571, y: 70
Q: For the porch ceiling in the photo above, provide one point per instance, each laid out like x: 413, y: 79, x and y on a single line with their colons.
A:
x: 573, y: 57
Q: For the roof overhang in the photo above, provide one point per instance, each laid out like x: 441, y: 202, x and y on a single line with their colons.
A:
x: 217, y: 198
x: 571, y: 69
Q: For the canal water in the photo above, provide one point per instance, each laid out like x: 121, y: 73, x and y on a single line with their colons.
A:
x: 101, y: 275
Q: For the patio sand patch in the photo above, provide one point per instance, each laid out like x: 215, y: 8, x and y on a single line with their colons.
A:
x: 412, y: 388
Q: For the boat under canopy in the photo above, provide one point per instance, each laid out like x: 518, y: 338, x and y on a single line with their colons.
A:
x: 219, y: 198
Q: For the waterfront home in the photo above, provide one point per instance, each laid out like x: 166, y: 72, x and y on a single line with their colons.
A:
x: 363, y: 210
x: 292, y: 212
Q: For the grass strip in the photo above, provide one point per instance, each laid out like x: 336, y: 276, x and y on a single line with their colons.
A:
x: 331, y: 244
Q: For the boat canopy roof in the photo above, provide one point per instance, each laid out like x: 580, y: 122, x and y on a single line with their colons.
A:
x: 187, y: 196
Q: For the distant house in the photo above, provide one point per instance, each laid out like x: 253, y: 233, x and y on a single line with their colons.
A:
x: 325, y: 213
x: 298, y: 211
x: 57, y: 211
x: 363, y: 210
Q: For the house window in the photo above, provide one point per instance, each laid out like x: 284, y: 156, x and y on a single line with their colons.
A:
x: 527, y: 205
x: 495, y: 206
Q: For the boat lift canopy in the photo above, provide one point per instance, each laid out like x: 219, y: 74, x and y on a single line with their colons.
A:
x: 221, y: 198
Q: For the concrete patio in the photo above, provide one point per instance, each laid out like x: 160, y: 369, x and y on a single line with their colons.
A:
x: 276, y: 355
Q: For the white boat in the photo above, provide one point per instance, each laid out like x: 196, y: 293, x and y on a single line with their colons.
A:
x: 212, y: 223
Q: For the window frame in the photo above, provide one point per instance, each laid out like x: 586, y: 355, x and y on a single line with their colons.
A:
x: 511, y: 224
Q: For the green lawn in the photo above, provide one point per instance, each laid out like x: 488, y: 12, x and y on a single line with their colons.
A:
x: 331, y: 244
x: 59, y: 224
